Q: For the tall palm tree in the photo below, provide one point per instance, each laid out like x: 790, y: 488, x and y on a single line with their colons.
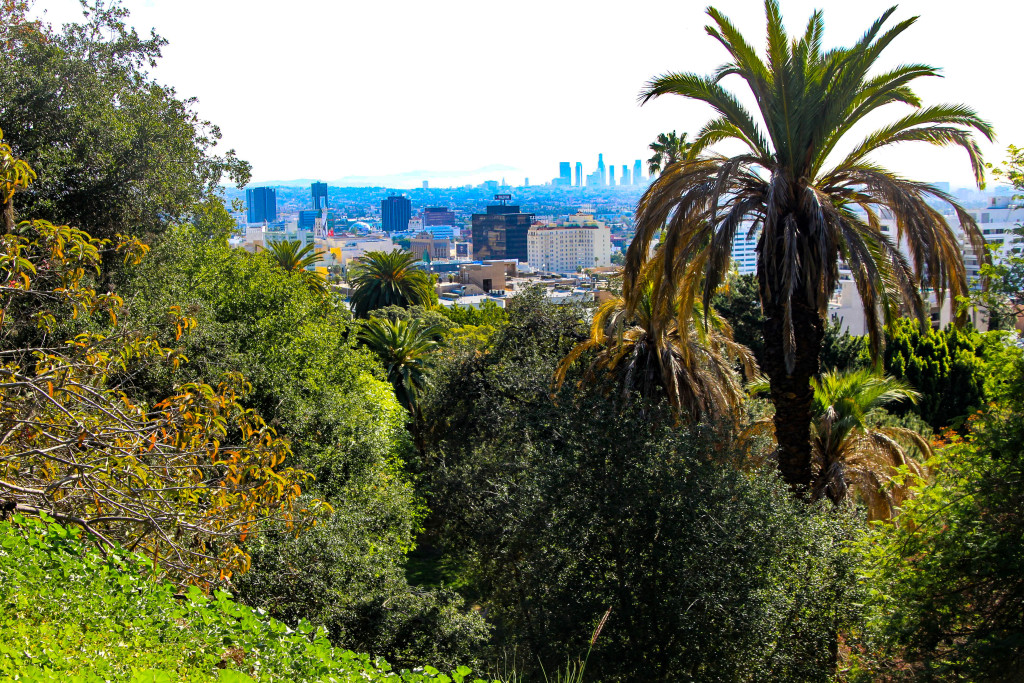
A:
x: 406, y: 350
x: 693, y: 365
x: 388, y: 278
x: 812, y: 204
x: 852, y: 455
x: 668, y: 149
x: 295, y: 258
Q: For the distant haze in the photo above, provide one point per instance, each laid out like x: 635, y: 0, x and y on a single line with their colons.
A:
x: 362, y: 91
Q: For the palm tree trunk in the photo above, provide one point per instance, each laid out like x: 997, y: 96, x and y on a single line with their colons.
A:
x: 791, y: 392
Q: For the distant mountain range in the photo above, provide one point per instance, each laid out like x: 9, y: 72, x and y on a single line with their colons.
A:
x: 406, y: 179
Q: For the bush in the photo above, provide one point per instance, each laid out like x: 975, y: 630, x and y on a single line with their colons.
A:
x: 347, y: 575
x: 556, y: 509
x: 70, y: 614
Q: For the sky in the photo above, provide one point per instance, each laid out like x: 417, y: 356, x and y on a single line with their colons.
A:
x: 327, y: 90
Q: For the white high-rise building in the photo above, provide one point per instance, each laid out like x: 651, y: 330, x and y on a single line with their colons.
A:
x: 581, y: 242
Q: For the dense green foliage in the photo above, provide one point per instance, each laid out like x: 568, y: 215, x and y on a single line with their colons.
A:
x: 382, y: 279
x: 333, y: 401
x: 554, y: 509
x: 948, y: 577
x: 81, y: 107
x: 815, y: 208
x: 945, y: 366
x: 71, y: 614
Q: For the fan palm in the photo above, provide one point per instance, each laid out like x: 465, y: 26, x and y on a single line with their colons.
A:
x: 406, y: 351
x: 812, y: 205
x: 692, y: 365
x: 295, y: 258
x: 851, y: 453
x: 668, y: 149
x: 382, y: 279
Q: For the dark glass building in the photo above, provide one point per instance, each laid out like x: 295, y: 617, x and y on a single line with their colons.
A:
x: 261, y: 204
x: 395, y: 213
x: 501, y: 233
x: 438, y: 215
x: 307, y: 219
x: 319, y: 191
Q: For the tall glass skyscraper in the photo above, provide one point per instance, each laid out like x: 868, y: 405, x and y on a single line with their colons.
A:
x: 261, y: 204
x: 395, y: 213
x: 579, y: 174
x: 638, y: 172
x: 319, y: 191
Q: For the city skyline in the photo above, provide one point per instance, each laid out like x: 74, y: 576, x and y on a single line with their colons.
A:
x: 365, y: 92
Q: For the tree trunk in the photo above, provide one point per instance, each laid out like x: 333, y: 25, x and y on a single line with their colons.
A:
x: 791, y: 392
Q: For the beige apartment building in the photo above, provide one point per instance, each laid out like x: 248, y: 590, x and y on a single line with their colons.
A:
x: 580, y: 242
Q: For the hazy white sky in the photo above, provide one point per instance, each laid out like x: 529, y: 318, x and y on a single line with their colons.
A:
x: 320, y: 89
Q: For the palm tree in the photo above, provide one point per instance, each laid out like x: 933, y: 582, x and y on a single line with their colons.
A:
x: 668, y: 149
x: 295, y: 258
x: 812, y: 205
x: 406, y: 350
x: 851, y: 453
x: 691, y: 363
x: 388, y: 278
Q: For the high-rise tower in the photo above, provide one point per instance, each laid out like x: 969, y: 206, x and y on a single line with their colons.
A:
x: 579, y: 174
x: 638, y: 172
x: 611, y: 175
x: 564, y: 173
x: 624, y: 180
x: 600, y: 169
x: 395, y: 213
x: 261, y: 204
x: 319, y: 192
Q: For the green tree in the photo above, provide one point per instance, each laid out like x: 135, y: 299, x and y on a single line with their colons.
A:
x: 739, y: 303
x: 406, y: 350
x: 945, y: 366
x: 668, y: 149
x: 550, y: 510
x: 856, y: 457
x: 948, y: 576
x: 388, y: 279
x: 814, y: 206
x: 116, y: 151
x: 691, y: 367
x: 291, y: 256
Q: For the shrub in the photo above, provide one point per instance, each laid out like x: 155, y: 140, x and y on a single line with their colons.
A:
x: 71, y: 614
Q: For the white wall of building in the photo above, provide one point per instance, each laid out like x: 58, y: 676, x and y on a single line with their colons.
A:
x: 569, y: 248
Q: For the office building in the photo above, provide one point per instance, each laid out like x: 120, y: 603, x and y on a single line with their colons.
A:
x: 427, y: 247
x: 579, y: 174
x: 501, y: 233
x: 261, y: 204
x: 624, y: 180
x: 611, y: 176
x: 307, y: 219
x: 581, y: 242
x: 319, y: 192
x: 438, y: 215
x: 564, y: 173
x: 395, y: 213
x: 638, y: 172
x: 601, y: 169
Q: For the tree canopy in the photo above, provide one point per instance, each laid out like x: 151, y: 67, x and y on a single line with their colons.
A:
x: 116, y: 152
x: 812, y: 207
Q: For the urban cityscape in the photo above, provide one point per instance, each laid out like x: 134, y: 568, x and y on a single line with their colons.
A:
x: 462, y: 342
x: 569, y: 233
